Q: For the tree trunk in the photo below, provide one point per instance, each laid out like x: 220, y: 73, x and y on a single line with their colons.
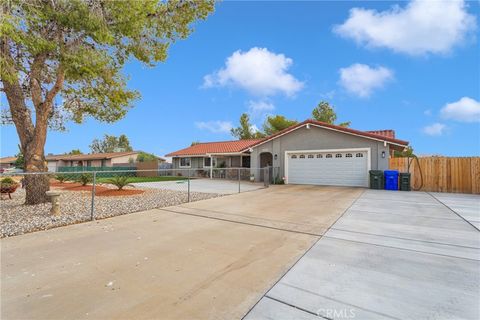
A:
x: 36, y: 185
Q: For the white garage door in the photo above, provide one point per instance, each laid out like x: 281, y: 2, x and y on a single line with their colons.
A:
x: 339, y: 168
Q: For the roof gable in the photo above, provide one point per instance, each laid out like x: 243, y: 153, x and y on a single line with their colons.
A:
x: 374, y: 135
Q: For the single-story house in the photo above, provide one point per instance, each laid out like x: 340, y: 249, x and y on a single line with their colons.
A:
x: 113, y: 159
x: 7, y: 162
x: 310, y: 152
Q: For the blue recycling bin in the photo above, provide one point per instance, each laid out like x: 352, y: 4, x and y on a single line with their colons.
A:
x: 391, y: 179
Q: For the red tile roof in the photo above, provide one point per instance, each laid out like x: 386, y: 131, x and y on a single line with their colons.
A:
x: 90, y: 156
x: 8, y: 159
x: 215, y: 147
x: 244, y: 145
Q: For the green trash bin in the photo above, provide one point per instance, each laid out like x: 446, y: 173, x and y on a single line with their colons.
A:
x: 405, y: 181
x: 376, y: 179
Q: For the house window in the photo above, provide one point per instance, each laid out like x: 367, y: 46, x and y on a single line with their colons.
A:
x: 294, y: 156
x: 338, y: 155
x: 348, y: 155
x: 319, y: 156
x: 89, y: 163
x: 246, y: 162
x: 310, y: 156
x: 104, y: 162
x: 359, y: 155
x: 302, y: 156
x: 207, y: 162
x: 184, y: 162
x: 328, y: 156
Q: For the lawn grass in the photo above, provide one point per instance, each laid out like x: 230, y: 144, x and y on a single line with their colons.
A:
x: 145, y: 179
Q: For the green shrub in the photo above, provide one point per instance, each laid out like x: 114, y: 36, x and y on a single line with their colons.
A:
x: 7, y: 182
x: 61, y: 178
x: 84, y: 178
x: 120, y: 182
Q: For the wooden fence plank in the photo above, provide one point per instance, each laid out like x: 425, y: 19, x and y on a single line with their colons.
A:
x: 442, y: 174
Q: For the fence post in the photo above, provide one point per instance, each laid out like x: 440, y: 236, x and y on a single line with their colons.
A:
x: 239, y: 180
x: 92, y: 209
x: 188, y: 197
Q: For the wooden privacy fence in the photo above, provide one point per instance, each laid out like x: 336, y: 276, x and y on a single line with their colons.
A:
x: 442, y: 174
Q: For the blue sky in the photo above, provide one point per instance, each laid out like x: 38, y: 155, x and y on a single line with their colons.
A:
x: 413, y: 68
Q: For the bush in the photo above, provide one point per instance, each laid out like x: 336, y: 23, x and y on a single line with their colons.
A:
x: 84, y: 178
x: 61, y: 178
x: 120, y: 182
x: 7, y: 182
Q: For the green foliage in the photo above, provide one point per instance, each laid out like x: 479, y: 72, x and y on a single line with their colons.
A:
x: 403, y: 154
x: 111, y: 144
x: 84, y: 178
x: 120, y: 182
x: 20, y: 162
x: 61, y: 178
x: 84, y: 45
x: 7, y: 182
x: 144, y: 157
x: 277, y: 123
x: 245, y: 130
x: 75, y: 151
x: 325, y: 113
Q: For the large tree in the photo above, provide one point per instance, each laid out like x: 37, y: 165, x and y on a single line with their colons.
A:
x: 277, y: 123
x: 111, y: 144
x: 246, y: 130
x: 63, y: 60
x: 326, y: 113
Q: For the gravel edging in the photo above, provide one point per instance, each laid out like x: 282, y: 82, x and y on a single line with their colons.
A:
x: 17, y: 218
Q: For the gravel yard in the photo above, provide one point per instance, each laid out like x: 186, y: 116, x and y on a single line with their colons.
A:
x: 17, y: 218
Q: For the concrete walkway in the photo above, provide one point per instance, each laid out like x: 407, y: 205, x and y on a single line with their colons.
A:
x: 393, y: 255
x: 466, y: 205
x: 203, y: 185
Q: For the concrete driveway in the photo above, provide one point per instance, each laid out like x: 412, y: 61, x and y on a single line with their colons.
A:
x: 212, y: 259
x: 392, y: 255
x: 203, y: 185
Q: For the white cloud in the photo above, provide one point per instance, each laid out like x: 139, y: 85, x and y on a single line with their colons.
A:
x: 215, y: 126
x: 259, y: 108
x: 259, y: 71
x: 361, y: 79
x: 421, y: 27
x: 436, y: 129
x: 465, y: 110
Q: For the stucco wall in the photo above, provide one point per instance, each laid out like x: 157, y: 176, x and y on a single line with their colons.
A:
x: 124, y: 159
x: 317, y: 138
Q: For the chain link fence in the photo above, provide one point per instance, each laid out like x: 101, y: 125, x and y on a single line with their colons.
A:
x: 78, y: 196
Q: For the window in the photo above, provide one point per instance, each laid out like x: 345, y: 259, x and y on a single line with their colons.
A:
x: 184, y: 162
x: 319, y: 156
x: 338, y: 155
x: 328, y: 156
x: 310, y: 156
x: 207, y: 162
x: 89, y: 163
x: 302, y: 156
x: 348, y: 155
x: 359, y: 155
x: 246, y: 162
x: 294, y: 156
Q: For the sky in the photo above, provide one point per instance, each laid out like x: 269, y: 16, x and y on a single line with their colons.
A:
x: 409, y: 66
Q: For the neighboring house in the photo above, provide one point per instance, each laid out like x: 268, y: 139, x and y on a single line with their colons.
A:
x: 113, y: 159
x: 7, y: 162
x: 310, y: 152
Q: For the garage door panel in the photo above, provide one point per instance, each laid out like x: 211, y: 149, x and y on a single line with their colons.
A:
x: 338, y: 169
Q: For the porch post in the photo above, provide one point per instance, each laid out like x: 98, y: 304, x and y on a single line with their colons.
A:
x: 211, y: 167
